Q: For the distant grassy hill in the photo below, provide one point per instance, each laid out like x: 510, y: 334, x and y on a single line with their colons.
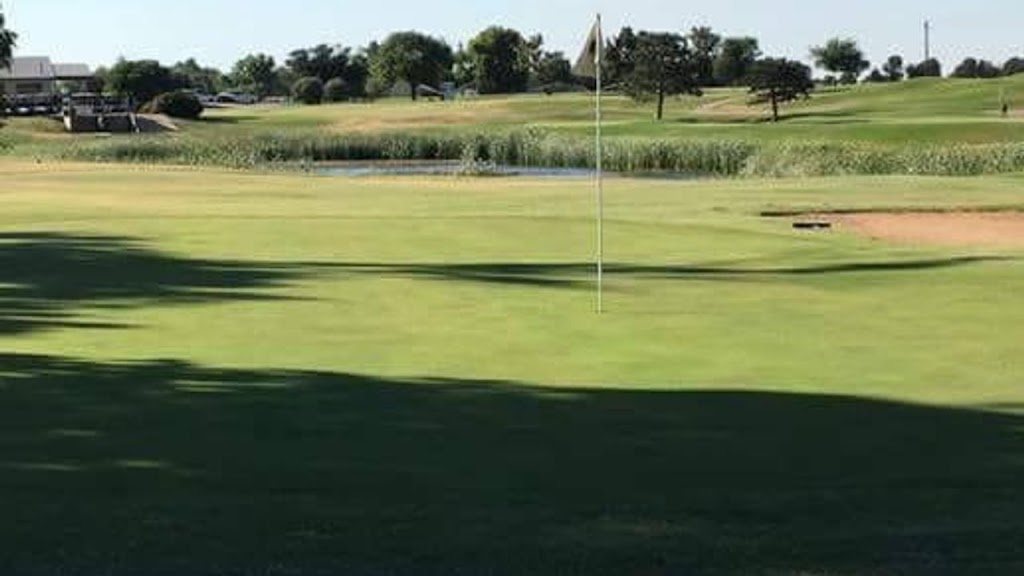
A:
x: 922, y: 110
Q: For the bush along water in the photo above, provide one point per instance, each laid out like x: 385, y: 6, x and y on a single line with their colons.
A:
x: 711, y: 158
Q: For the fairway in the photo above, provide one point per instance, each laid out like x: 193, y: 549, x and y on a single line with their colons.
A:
x: 217, y: 372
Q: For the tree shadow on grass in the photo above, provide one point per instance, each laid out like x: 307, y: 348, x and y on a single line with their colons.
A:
x: 166, y: 467
x: 578, y: 274
x: 45, y: 278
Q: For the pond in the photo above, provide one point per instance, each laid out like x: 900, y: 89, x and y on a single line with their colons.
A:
x: 444, y: 168
x: 457, y: 168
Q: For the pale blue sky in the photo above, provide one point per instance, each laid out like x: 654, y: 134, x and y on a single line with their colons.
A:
x: 218, y: 32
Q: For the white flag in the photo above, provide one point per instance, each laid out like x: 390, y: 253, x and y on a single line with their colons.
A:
x: 590, y: 59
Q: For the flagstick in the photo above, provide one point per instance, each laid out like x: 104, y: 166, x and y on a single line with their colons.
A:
x: 599, y: 175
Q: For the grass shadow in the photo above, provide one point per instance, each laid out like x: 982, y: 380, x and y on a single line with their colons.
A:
x: 578, y: 274
x: 166, y: 467
x: 46, y: 277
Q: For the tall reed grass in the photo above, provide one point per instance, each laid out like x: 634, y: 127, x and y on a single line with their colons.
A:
x: 714, y: 158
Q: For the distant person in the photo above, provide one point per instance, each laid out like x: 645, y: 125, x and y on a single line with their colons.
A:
x: 1006, y: 109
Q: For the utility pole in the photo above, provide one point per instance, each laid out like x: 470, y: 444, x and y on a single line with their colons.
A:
x: 927, y: 40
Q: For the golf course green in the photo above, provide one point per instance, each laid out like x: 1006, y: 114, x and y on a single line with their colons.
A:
x: 207, y: 371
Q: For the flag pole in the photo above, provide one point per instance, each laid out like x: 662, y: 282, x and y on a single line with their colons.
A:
x: 599, y: 176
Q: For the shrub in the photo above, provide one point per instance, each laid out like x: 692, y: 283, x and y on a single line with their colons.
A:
x: 335, y: 90
x: 308, y: 90
x: 177, y: 104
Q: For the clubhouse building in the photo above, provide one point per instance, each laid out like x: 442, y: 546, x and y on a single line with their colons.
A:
x: 37, y: 76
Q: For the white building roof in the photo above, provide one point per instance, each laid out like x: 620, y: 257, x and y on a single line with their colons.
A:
x: 41, y: 68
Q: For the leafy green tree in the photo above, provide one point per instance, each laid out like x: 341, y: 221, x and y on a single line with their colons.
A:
x: 966, y: 69
x: 705, y: 46
x: 535, y: 51
x: 893, y: 68
x: 308, y: 90
x: 500, y: 61
x: 734, y: 59
x: 620, y: 57
x: 463, y: 72
x: 777, y: 80
x: 987, y: 69
x: 177, y: 104
x: 664, y: 66
x: 8, y: 40
x: 972, y: 68
x: 553, y: 68
x: 257, y: 72
x: 841, y: 56
x: 282, y: 81
x: 1013, y: 66
x: 876, y: 76
x: 205, y: 79
x: 335, y: 90
x: 929, y: 68
x: 412, y: 57
x: 140, y: 80
x: 323, y: 61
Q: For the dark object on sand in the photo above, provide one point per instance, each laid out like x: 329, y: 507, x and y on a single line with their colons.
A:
x: 809, y: 225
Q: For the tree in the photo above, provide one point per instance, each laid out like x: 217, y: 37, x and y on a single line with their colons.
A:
x: 8, y: 40
x: 177, y: 104
x: 966, y: 69
x: 500, y: 61
x: 779, y: 80
x: 893, y: 68
x: 735, y: 57
x: 140, y: 80
x: 335, y: 90
x: 987, y: 69
x: 256, y: 72
x: 535, y: 51
x: 413, y: 57
x: 322, y: 61
x: 462, y: 67
x: 327, y: 62
x: 308, y: 90
x: 704, y: 47
x: 282, y: 82
x: 553, y: 68
x: 620, y: 57
x: 1013, y: 66
x: 205, y: 79
x: 929, y: 68
x: 841, y: 56
x: 876, y: 76
x: 664, y: 66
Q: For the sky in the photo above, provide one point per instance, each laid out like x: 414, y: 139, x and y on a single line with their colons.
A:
x: 219, y: 32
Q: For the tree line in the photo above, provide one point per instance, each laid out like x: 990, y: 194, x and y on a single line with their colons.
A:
x: 649, y: 66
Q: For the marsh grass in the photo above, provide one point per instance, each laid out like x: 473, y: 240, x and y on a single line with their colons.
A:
x: 715, y: 158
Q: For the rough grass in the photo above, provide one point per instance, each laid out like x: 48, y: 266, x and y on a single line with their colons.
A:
x: 208, y: 372
x: 921, y: 127
x: 702, y: 157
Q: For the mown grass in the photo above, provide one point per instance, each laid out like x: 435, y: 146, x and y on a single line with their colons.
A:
x: 213, y: 372
x: 920, y: 111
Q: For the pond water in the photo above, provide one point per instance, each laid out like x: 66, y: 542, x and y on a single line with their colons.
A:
x: 456, y: 168
x: 444, y: 168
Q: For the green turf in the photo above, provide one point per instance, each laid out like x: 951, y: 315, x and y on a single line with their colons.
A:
x: 932, y: 111
x: 227, y: 373
x: 924, y: 110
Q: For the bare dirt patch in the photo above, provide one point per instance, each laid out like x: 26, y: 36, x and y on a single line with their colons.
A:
x: 982, y: 229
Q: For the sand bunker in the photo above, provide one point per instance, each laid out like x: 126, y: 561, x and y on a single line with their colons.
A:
x: 983, y: 229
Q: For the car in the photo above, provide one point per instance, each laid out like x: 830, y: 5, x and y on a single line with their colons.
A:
x: 236, y: 98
